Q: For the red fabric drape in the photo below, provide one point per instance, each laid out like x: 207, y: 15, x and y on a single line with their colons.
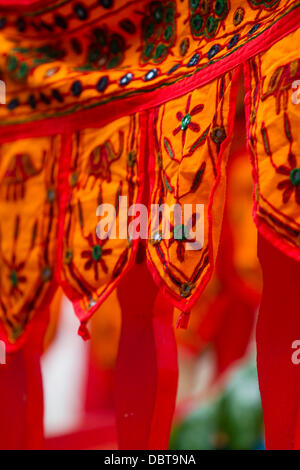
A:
x: 12, y: 403
x: 146, y: 370
x: 23, y: 3
x: 277, y: 328
x: 21, y: 394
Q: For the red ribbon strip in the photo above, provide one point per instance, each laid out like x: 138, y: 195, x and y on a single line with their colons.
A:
x: 146, y: 371
x: 277, y: 329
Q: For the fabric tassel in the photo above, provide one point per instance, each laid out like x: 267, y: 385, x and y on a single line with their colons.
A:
x: 83, y: 331
x: 183, y: 320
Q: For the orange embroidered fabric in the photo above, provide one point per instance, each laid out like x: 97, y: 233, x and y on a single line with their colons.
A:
x: 273, y: 120
x: 136, y: 98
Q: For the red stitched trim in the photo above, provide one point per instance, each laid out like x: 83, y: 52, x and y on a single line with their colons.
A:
x: 64, y: 192
x: 38, y: 320
x: 247, y: 102
x: 112, y: 111
x: 272, y: 236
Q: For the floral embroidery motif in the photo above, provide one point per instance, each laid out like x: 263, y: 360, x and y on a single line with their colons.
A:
x: 158, y: 31
x: 292, y: 183
x: 206, y: 15
x: 106, y: 50
x: 180, y: 237
x: 15, y: 276
x: 95, y: 255
x: 186, y: 120
x: 21, y: 61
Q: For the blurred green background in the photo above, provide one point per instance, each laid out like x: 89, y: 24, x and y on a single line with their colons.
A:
x: 233, y: 420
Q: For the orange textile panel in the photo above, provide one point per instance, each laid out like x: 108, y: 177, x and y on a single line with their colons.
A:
x: 115, y: 106
x: 68, y: 147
